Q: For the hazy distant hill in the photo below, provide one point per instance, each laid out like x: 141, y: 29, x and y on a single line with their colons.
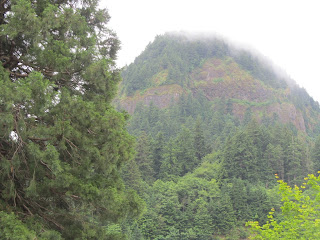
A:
x: 177, y: 64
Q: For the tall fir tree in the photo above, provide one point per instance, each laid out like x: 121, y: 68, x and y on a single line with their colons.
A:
x: 62, y: 144
x: 315, y: 155
x: 274, y: 156
x: 132, y: 175
x: 170, y: 168
x: 143, y: 158
x: 240, y: 157
x: 200, y: 144
x: 185, y: 153
x: 158, y: 146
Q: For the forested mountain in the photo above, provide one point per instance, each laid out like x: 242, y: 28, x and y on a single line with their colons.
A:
x: 213, y: 124
x: 182, y: 65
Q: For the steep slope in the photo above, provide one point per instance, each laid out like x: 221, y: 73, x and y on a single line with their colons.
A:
x: 180, y: 64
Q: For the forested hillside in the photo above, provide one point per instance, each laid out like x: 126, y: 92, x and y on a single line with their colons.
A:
x: 213, y: 124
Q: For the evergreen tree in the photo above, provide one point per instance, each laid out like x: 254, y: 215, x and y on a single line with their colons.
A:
x: 62, y: 143
x: 132, y: 175
x: 293, y: 166
x: 240, y: 157
x: 258, y: 202
x: 143, y: 158
x: 222, y: 213
x: 170, y: 168
x: 239, y: 198
x: 185, y: 154
x: 203, y: 220
x: 260, y: 138
x: 200, y: 143
x: 316, y: 154
x: 274, y: 156
x: 158, y: 146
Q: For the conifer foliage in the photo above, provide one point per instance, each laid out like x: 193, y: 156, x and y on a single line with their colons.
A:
x: 61, y: 141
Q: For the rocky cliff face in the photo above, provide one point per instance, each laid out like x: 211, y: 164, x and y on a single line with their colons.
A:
x: 161, y: 96
x: 225, y: 79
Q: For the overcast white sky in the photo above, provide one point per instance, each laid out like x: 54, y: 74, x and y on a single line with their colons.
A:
x: 286, y: 31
